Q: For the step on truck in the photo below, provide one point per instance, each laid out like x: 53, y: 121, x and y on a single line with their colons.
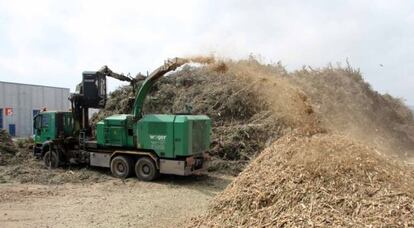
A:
x: 145, y: 145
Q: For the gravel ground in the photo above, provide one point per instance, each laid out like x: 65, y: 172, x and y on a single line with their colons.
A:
x: 168, y: 202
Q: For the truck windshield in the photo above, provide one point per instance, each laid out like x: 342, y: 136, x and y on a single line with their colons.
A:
x: 37, y: 122
x: 45, y: 121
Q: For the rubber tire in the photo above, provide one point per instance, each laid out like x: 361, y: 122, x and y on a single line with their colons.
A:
x: 51, y: 155
x: 143, y: 162
x: 125, y: 162
x: 37, y: 152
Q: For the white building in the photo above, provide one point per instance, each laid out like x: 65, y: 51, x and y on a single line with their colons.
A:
x: 20, y: 102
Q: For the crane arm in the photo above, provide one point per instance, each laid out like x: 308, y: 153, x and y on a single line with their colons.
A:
x: 169, y: 65
x: 92, y: 93
x: 108, y: 72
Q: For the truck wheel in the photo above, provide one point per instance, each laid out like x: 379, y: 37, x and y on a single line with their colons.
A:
x: 37, y: 152
x: 145, y: 169
x: 51, y: 159
x: 121, y: 166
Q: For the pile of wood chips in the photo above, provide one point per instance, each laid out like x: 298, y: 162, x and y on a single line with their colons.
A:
x: 6, y: 143
x: 320, y: 180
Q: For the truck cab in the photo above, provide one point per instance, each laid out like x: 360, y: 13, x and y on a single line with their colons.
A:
x: 49, y: 126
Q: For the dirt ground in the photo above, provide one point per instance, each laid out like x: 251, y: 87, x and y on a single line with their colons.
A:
x: 168, y: 202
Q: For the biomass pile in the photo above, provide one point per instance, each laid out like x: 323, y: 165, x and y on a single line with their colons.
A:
x: 7, y: 148
x: 321, y: 180
x: 347, y: 104
x: 334, y: 160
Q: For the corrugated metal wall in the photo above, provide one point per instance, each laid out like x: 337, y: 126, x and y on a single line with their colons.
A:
x: 24, y: 99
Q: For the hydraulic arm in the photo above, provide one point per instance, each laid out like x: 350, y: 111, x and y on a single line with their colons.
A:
x: 109, y: 73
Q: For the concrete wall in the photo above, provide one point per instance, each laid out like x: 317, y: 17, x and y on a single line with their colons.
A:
x: 24, y: 98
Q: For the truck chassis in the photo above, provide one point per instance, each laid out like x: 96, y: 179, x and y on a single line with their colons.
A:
x: 146, y: 165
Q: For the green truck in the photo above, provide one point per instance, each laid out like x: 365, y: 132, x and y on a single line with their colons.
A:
x: 147, y: 145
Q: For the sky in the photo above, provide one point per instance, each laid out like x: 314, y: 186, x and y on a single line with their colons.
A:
x: 51, y: 42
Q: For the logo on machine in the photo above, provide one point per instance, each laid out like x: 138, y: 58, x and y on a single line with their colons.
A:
x: 157, y: 142
x: 158, y: 137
